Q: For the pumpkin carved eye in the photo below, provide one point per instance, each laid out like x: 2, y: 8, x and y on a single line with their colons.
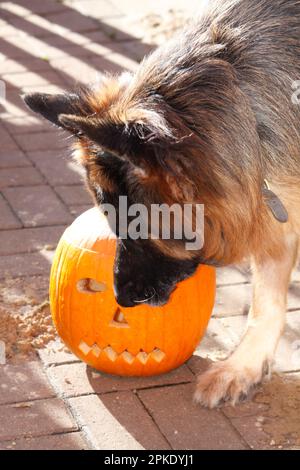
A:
x: 90, y: 286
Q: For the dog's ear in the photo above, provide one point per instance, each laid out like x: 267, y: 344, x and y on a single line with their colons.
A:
x: 139, y: 132
x: 132, y: 133
x: 52, y: 106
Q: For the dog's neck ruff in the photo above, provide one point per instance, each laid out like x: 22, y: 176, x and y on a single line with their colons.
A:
x: 275, y: 205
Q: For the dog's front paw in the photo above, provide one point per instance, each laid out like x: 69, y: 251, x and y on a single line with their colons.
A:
x: 227, y: 381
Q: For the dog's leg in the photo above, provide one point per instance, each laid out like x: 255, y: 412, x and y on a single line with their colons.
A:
x: 232, y: 378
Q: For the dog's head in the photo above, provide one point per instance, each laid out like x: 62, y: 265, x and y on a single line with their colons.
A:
x: 159, y: 143
x: 123, y: 148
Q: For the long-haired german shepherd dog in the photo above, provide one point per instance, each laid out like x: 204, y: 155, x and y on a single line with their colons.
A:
x: 207, y: 118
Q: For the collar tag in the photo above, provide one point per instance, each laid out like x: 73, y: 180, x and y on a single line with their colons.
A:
x: 274, y: 203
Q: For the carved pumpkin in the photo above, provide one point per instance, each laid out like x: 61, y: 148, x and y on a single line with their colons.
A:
x: 143, y: 340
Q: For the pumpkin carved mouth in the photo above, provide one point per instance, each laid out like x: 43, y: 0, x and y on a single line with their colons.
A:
x: 141, y: 356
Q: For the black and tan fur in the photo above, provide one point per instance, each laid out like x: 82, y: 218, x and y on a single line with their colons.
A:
x: 205, y: 119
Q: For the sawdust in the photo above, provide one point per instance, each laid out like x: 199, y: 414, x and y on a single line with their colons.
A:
x: 158, y: 27
x: 281, y: 421
x: 25, y: 319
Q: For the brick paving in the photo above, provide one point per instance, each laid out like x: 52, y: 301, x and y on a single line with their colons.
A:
x: 55, y: 401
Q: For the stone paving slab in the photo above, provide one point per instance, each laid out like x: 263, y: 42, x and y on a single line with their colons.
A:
x: 79, y: 209
x: 115, y: 63
x: 135, y: 50
x: 32, y: 125
x: 26, y: 176
x: 13, y: 159
x: 72, y: 20
x: 41, y: 8
x: 122, y: 29
x: 96, y: 8
x: 224, y: 334
x: 102, y: 428
x: 73, y: 195
x: 13, y: 106
x: 187, y: 425
x: 13, y: 80
x: 37, y: 206
x: 233, y: 275
x: 51, y: 89
x: 12, y: 66
x: 23, y: 265
x: 55, y: 353
x: 16, y: 47
x: 271, y: 419
x: 233, y: 301
x: 7, y: 143
x: 65, y: 441
x: 78, y: 379
x: 35, y: 418
x: 75, y: 43
x: 135, y: 7
x: 23, y: 382
x: 130, y: 412
x: 41, y: 141
x: 8, y: 219
x: 28, y: 240
x: 74, y: 70
x: 57, y: 167
x: 55, y: 23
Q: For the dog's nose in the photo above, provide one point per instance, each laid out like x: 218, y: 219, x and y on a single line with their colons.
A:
x: 133, y: 293
x: 124, y: 297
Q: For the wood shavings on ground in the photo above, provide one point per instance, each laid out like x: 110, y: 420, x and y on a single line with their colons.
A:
x: 25, y: 319
x: 281, y: 421
x: 161, y: 26
x: 22, y: 405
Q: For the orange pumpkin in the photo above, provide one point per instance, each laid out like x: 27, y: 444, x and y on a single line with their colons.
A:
x: 143, y: 340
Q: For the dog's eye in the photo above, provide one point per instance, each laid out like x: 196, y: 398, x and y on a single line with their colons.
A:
x: 79, y: 134
x: 105, y: 154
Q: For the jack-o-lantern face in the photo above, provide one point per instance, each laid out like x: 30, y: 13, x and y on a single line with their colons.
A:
x: 141, y: 340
